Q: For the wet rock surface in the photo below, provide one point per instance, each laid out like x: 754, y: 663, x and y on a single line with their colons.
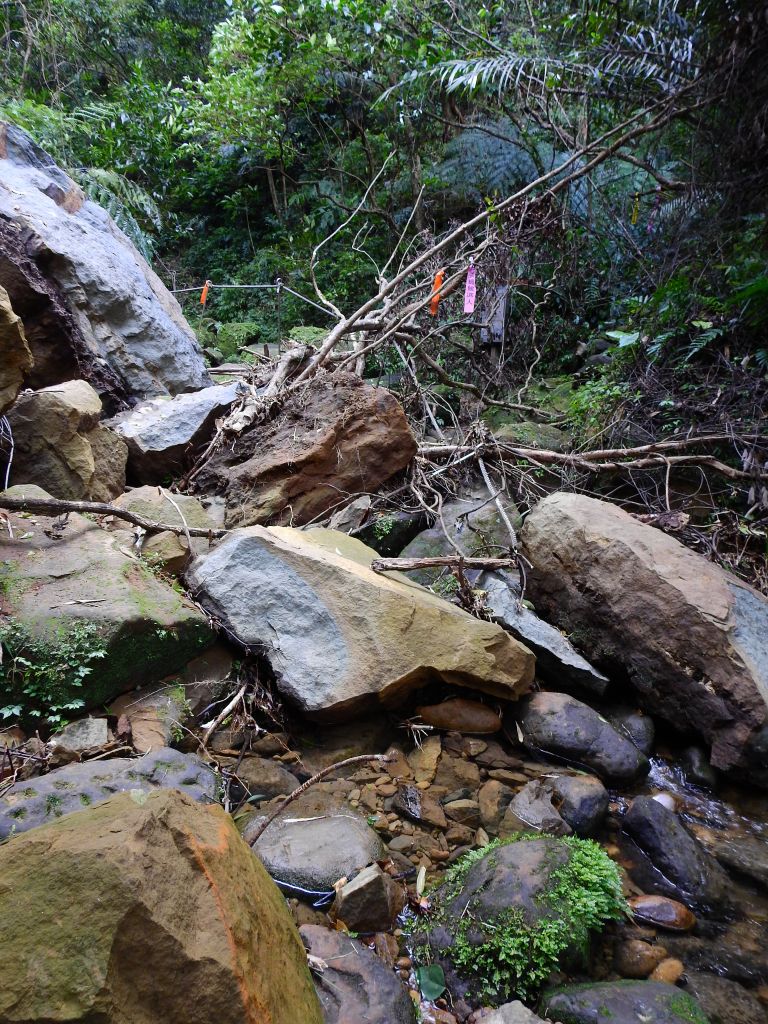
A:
x: 555, y: 723
x: 684, y: 867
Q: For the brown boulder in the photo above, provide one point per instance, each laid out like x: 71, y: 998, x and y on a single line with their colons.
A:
x: 15, y: 357
x: 691, y: 638
x: 146, y: 909
x: 60, y: 446
x: 339, y: 437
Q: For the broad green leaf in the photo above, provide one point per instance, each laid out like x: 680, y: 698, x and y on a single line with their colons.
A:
x: 431, y: 981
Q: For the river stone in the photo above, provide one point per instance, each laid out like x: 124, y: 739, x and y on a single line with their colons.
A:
x: 341, y: 638
x: 334, y: 439
x: 623, y: 1002
x: 355, y: 984
x: 461, y: 715
x: 724, y: 1001
x: 554, y: 723
x: 531, y: 810
x: 684, y: 868
x: 42, y: 800
x: 662, y: 912
x: 695, y: 763
x: 690, y: 636
x: 148, y: 909
x: 581, y: 800
x: 510, y: 1013
x: 370, y: 902
x: 86, y: 295
x: 15, y: 357
x: 494, y: 798
x: 636, y: 726
x: 84, y: 734
x: 314, y: 842
x: 746, y: 855
x: 162, y: 434
x: 258, y: 776
x: 557, y: 660
x: 59, y: 445
x: 417, y: 805
x: 54, y: 579
x: 634, y: 958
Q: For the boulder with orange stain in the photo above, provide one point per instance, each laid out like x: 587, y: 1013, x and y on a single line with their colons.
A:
x: 146, y: 909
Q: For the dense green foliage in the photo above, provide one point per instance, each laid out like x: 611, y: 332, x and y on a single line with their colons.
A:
x: 229, y: 138
x: 42, y: 676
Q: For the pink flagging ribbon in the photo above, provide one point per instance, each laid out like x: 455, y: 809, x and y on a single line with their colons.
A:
x: 470, y: 291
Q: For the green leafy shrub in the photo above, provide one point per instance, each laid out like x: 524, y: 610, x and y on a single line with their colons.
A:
x: 516, y: 957
x: 42, y: 676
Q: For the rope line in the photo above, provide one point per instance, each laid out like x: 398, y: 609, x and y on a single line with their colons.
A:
x: 257, y: 287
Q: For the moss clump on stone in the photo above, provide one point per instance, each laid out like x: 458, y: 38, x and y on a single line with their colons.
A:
x: 511, y: 956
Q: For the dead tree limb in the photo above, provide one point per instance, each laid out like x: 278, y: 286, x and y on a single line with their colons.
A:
x: 58, y: 507
x: 439, y: 561
x: 361, y: 759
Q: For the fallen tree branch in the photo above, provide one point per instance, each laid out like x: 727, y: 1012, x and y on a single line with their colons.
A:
x: 58, y: 507
x: 438, y: 561
x: 361, y: 759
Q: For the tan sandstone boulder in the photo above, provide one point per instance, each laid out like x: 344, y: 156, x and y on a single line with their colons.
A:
x: 691, y: 638
x: 169, y: 551
x: 59, y: 444
x: 341, y: 637
x: 15, y: 357
x: 145, y: 909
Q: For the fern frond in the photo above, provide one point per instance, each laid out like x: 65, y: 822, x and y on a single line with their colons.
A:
x: 131, y: 207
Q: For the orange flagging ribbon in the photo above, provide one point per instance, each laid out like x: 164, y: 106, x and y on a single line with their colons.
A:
x: 204, y: 293
x: 436, y: 286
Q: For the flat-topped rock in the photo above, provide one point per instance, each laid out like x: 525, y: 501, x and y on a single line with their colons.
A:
x: 340, y: 637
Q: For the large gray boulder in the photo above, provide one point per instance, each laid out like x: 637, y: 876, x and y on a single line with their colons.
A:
x: 340, y: 637
x: 690, y: 637
x: 88, y: 300
x: 163, y: 433
x: 39, y: 801
x: 59, y: 580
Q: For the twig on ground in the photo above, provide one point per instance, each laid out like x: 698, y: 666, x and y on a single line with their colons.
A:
x: 361, y: 759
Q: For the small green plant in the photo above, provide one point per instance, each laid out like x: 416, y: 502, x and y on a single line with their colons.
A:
x: 516, y: 956
x: 43, y: 675
x: 384, y: 525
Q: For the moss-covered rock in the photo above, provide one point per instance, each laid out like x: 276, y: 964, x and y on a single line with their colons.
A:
x: 510, y: 914
x: 73, y: 578
x: 623, y: 1002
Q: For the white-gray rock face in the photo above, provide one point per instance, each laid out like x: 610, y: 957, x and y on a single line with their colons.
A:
x: 121, y: 310
x: 163, y: 432
x: 556, y: 658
